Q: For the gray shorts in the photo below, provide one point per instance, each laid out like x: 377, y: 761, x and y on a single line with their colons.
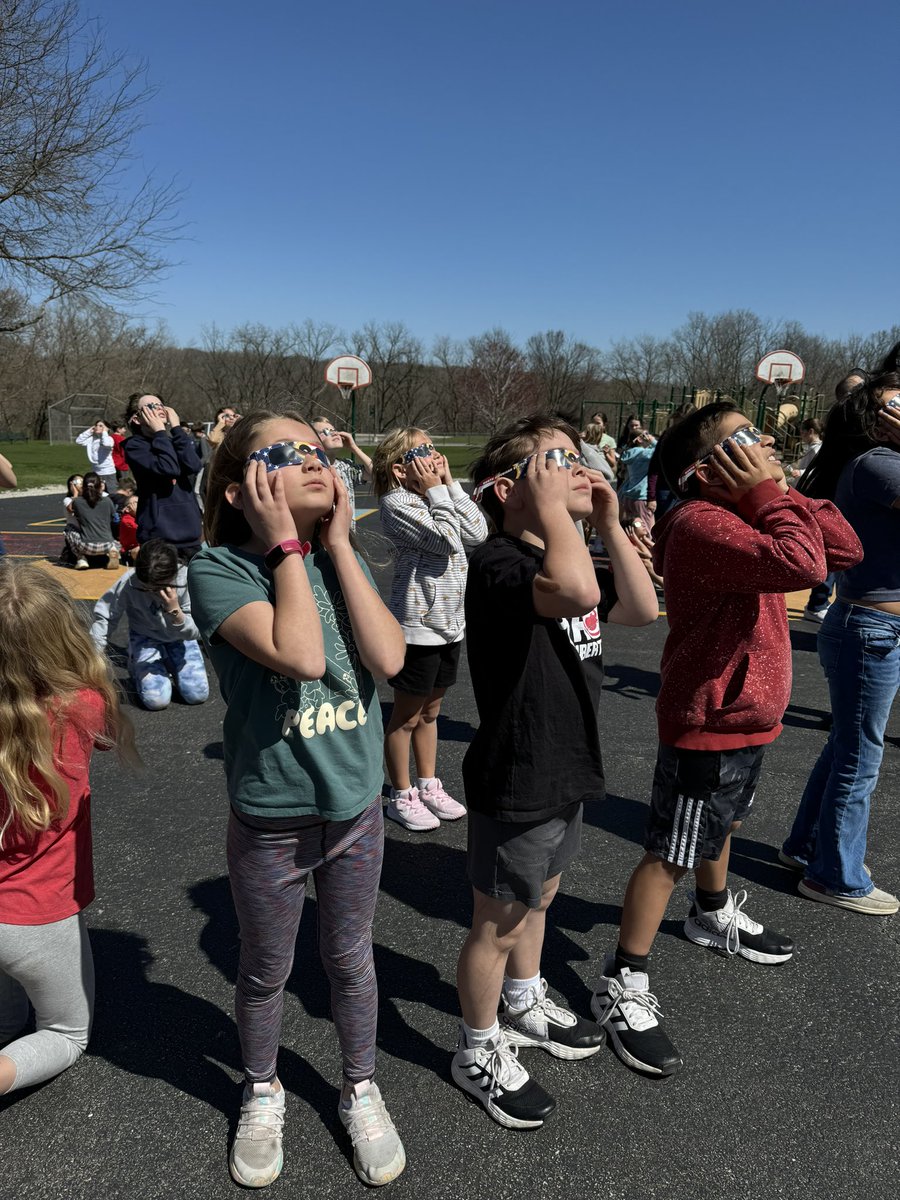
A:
x: 512, y: 860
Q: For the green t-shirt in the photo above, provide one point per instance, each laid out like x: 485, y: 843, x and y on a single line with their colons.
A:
x: 291, y: 749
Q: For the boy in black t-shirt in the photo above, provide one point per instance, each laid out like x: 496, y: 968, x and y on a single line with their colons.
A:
x: 534, y: 602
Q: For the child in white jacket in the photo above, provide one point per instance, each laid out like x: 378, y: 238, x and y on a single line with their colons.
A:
x: 431, y: 521
x: 162, y: 637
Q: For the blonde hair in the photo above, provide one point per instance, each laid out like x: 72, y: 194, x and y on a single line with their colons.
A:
x: 389, y: 452
x: 47, y: 658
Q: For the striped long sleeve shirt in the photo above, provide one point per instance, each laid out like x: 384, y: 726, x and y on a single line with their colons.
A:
x: 431, y: 535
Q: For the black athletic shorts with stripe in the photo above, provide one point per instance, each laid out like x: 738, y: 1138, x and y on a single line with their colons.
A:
x: 697, y: 795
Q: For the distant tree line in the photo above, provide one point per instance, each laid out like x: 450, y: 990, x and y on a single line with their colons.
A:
x: 477, y: 384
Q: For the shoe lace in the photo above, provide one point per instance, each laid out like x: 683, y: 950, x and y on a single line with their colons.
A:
x: 260, y: 1120
x: 368, y: 1119
x: 411, y: 803
x: 738, y: 921
x: 542, y: 1006
x: 503, y: 1061
x: 639, y: 1007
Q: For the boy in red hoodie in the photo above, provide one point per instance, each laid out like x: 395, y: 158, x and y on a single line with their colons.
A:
x: 741, y: 539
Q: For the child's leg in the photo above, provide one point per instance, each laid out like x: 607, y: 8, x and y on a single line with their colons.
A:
x: 346, y: 891
x: 186, y: 663
x: 398, y: 735
x: 268, y: 884
x: 497, y: 927
x: 424, y: 735
x: 54, y: 966
x: 149, y: 672
x: 646, y: 897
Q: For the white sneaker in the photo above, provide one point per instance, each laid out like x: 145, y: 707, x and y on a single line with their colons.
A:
x: 408, y: 810
x: 816, y: 614
x: 548, y: 1025
x: 730, y: 931
x: 443, y: 806
x: 493, y: 1075
x: 256, y: 1157
x: 378, y: 1154
x: 624, y: 1004
x: 81, y: 564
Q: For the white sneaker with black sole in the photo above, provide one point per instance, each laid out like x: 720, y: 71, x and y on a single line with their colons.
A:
x: 551, y: 1027
x: 493, y: 1075
x: 731, y: 932
x: 624, y: 1005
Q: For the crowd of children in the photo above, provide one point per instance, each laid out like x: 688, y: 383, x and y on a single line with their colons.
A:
x: 298, y: 636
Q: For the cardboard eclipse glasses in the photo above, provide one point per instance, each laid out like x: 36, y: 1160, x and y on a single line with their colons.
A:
x: 748, y: 436
x: 287, y: 454
x: 563, y: 458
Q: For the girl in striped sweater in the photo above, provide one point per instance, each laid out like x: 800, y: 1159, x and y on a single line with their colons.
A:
x: 431, y: 522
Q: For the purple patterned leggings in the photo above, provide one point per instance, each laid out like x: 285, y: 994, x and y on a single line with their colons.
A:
x: 268, y: 871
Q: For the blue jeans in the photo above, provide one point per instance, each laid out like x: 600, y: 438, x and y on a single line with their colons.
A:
x: 859, y: 649
x: 151, y: 663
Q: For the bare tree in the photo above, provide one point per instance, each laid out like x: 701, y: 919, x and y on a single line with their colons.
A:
x: 497, y: 379
x: 70, y: 223
x: 641, y: 366
x: 398, y: 394
x: 564, y: 370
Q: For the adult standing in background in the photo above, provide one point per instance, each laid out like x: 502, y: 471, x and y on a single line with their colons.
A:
x: 164, y: 460
x: 99, y: 444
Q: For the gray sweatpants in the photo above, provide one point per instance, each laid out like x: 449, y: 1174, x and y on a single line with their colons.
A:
x: 52, y: 966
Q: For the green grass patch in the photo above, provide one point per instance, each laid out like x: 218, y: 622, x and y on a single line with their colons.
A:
x: 39, y: 463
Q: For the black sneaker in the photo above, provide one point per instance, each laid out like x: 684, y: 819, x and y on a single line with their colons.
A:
x: 550, y: 1026
x: 493, y: 1074
x: 624, y: 1004
x: 730, y: 931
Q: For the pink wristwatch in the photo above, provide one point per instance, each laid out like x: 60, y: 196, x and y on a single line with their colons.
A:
x: 279, y: 553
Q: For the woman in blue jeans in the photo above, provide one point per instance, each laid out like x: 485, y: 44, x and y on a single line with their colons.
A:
x: 859, y: 648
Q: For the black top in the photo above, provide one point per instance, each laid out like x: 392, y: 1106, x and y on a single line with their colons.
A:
x: 164, y: 465
x: 537, y: 683
x: 95, y: 523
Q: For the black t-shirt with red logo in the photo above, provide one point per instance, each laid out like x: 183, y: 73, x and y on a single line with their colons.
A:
x: 537, y: 683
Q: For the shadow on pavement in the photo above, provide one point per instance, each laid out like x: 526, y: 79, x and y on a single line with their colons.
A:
x: 633, y: 682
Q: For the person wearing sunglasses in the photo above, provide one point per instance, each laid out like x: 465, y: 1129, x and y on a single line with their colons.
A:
x: 431, y: 522
x: 535, y: 604
x: 738, y: 540
x: 163, y: 459
x: 297, y: 634
x: 352, y: 473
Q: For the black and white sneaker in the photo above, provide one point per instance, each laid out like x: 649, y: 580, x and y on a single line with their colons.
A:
x: 730, y: 931
x: 493, y: 1075
x: 550, y: 1026
x: 625, y: 1006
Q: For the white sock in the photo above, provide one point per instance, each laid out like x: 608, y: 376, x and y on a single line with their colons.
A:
x: 478, y: 1037
x: 424, y: 784
x: 396, y: 793
x: 517, y: 991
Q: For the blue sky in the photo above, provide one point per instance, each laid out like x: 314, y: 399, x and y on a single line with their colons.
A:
x: 602, y: 168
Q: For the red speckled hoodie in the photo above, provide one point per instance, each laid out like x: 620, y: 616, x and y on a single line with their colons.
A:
x: 726, y: 666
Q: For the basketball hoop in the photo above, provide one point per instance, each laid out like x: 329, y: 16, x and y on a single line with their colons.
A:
x: 348, y: 373
x: 780, y: 368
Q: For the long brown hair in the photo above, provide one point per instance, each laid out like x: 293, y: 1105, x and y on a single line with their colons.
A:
x: 48, y: 657
x: 389, y: 452
x: 223, y: 524
x: 92, y: 488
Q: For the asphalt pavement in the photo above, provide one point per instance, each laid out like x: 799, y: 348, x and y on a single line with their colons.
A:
x: 790, y: 1084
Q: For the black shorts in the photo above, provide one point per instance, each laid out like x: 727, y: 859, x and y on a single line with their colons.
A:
x: 512, y: 860
x: 697, y: 795
x: 426, y: 668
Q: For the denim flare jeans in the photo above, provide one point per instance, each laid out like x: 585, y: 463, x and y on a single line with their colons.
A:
x: 859, y: 649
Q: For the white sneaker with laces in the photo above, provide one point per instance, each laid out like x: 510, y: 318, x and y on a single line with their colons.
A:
x: 625, y: 1006
x: 256, y: 1156
x: 816, y: 614
x: 378, y: 1154
x: 551, y: 1027
x: 492, y: 1074
x: 408, y: 810
x: 730, y: 931
x: 443, y: 806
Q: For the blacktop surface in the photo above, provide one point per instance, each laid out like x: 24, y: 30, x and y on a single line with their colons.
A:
x: 790, y: 1084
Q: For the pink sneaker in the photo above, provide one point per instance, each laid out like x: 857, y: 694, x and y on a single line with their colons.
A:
x: 442, y: 805
x: 409, y: 811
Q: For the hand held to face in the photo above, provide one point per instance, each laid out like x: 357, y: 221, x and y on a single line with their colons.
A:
x: 421, y: 474
x: 887, y: 428
x: 265, y: 505
x: 334, y: 530
x: 745, y: 467
x: 604, y: 501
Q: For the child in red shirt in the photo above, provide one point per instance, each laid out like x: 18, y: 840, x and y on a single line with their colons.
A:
x: 727, y: 554
x: 47, y: 733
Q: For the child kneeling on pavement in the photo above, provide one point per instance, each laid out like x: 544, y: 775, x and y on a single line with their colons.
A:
x: 162, y: 637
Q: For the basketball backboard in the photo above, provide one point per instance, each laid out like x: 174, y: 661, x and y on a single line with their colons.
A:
x: 780, y: 367
x: 348, y: 373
